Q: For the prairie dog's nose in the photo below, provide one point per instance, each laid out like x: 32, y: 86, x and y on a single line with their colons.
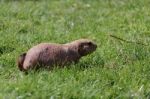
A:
x: 94, y: 44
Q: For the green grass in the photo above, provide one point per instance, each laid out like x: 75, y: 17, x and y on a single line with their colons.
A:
x: 117, y: 69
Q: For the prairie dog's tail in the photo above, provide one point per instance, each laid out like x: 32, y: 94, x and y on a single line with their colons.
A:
x: 20, y: 61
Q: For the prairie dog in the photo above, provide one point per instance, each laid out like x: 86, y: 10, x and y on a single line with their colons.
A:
x: 50, y: 54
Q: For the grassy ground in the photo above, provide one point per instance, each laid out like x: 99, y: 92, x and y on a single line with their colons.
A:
x: 116, y: 70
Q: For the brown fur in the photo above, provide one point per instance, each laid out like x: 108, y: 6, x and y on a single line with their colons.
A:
x: 50, y: 54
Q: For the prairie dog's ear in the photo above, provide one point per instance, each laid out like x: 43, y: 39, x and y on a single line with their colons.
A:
x: 81, y: 50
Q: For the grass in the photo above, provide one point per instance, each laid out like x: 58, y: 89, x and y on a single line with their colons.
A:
x: 116, y: 70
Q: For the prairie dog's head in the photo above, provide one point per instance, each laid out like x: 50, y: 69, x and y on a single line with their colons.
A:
x: 84, y: 46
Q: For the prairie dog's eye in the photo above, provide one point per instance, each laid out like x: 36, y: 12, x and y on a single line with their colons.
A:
x: 89, y: 43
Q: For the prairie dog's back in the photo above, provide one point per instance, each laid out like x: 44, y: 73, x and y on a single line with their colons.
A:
x: 44, y: 53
